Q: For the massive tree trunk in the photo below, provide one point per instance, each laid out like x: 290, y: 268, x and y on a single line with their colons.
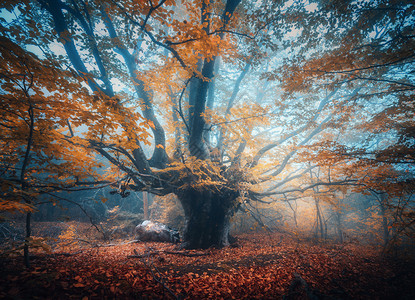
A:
x: 207, y: 217
x: 207, y: 211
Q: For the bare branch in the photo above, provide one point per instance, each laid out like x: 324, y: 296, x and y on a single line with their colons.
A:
x: 353, y: 182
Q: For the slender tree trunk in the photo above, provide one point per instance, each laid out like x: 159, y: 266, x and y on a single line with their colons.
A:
x: 211, y: 102
x: 384, y: 220
x: 325, y: 230
x: 25, y: 164
x: 207, y: 218
x: 294, y: 210
x: 339, y: 227
x: 145, y: 205
x: 320, y: 226
x: 231, y: 101
x: 177, y: 132
x: 28, y: 234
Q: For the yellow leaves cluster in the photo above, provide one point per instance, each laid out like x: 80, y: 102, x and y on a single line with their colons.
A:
x: 325, y: 153
x: 190, y: 38
x: 163, y: 78
x: 67, y: 239
x: 38, y: 243
x: 196, y: 174
x: 13, y: 206
x: 238, y: 126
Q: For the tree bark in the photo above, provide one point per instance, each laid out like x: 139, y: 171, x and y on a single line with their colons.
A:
x: 145, y: 205
x: 385, y: 222
x: 55, y: 9
x: 197, y: 145
x: 207, y: 218
x: 231, y: 101
x: 26, y: 245
x: 159, y: 158
x: 339, y: 227
x: 26, y: 159
x: 197, y: 100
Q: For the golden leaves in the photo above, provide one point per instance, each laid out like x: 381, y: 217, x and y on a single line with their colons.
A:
x: 50, y: 107
x: 195, y: 174
x: 14, y: 205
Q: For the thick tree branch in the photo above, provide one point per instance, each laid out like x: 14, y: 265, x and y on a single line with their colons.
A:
x: 353, y: 182
x: 289, y: 178
x: 93, y: 43
x: 159, y: 158
x: 374, y: 66
x: 55, y: 9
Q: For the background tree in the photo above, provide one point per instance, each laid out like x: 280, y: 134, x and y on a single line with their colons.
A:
x: 40, y: 152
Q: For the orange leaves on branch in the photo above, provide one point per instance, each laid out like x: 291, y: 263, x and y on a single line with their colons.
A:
x: 11, y: 205
x: 48, y: 108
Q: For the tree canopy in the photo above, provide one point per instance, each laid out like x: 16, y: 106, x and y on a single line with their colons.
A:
x: 223, y: 103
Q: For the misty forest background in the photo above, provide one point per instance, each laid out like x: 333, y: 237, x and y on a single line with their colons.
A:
x: 217, y: 118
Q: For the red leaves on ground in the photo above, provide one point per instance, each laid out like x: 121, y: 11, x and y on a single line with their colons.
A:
x: 263, y: 266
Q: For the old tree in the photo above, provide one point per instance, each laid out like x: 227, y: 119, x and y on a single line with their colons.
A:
x: 222, y: 103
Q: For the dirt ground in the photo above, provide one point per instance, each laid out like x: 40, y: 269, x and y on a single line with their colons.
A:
x: 259, y: 266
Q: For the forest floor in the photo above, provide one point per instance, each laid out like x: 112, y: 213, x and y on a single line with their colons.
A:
x: 260, y: 266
